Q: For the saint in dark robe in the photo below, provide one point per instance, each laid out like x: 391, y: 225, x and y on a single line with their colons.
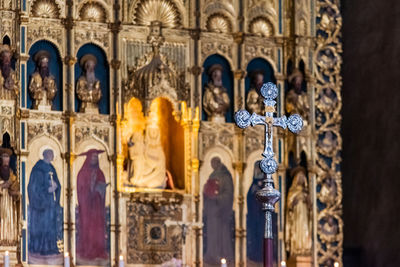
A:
x: 255, y: 221
x: 44, y: 191
x: 91, y: 189
x: 218, y: 215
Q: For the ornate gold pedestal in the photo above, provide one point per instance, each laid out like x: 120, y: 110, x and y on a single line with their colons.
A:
x: 300, y: 261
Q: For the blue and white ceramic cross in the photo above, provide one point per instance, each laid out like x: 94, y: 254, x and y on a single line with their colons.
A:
x: 268, y: 195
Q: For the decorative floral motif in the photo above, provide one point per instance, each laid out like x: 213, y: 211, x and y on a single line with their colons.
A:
x: 45, y: 9
x: 164, y: 11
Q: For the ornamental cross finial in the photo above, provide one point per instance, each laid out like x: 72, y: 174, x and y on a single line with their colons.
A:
x: 268, y: 195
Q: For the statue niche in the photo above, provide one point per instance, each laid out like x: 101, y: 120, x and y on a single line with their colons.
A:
x: 216, y: 99
x: 296, y: 99
x: 298, y: 236
x: 8, y: 82
x: 254, y: 101
x: 153, y: 146
x: 88, y: 86
x: 42, y: 86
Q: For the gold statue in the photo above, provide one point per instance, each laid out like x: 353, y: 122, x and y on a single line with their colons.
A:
x: 9, y: 197
x: 147, y: 164
x: 296, y: 99
x: 8, y: 82
x: 298, y: 205
x: 254, y: 100
x: 216, y: 99
x: 88, y: 86
x: 42, y: 86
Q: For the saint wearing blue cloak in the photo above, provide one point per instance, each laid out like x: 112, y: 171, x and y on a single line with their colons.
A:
x: 44, y: 191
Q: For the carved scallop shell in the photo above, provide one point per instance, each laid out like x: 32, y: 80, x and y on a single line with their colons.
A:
x: 163, y: 11
x: 45, y: 9
x: 218, y: 23
x: 262, y: 27
x: 93, y: 12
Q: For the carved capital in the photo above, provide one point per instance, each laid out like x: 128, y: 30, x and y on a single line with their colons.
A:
x: 195, y: 34
x: 68, y: 23
x: 115, y: 27
x: 115, y: 64
x: 24, y: 57
x: 69, y: 60
x: 195, y: 70
x: 22, y: 113
x: 239, y: 74
x: 239, y: 166
x: 238, y: 37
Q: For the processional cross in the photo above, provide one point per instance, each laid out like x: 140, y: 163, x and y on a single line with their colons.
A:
x: 268, y: 195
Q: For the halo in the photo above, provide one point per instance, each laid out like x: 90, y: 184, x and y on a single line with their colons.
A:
x: 86, y: 58
x: 43, y: 148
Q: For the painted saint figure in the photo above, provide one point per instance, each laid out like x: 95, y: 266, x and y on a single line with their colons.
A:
x: 9, y: 197
x: 8, y: 85
x: 254, y: 101
x: 218, y: 214
x: 44, y: 191
x: 91, y: 190
x: 216, y: 99
x: 42, y: 86
x: 88, y: 86
x: 298, y: 230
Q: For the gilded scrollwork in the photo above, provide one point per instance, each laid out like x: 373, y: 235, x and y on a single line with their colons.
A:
x: 46, y: 31
x: 328, y: 103
x: 50, y: 128
x: 212, y: 134
x: 101, y: 38
x: 209, y: 48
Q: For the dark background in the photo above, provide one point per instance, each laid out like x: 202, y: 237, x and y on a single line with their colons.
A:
x: 371, y: 132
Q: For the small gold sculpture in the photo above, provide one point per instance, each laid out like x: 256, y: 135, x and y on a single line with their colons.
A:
x: 9, y: 197
x: 42, y: 86
x: 216, y: 99
x: 88, y: 86
x: 298, y: 230
x: 8, y: 82
x: 254, y: 100
x: 296, y: 99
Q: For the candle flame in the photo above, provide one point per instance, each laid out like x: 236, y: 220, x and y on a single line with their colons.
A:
x: 283, y: 263
x: 223, y: 261
x: 6, y: 253
x: 121, y: 258
x: 66, y: 255
x: 336, y: 264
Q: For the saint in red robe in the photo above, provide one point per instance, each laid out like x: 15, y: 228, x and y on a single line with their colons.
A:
x: 91, y: 187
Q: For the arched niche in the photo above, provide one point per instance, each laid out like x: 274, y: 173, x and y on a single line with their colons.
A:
x: 161, y: 112
x: 55, y: 67
x: 6, y: 143
x: 101, y: 220
x: 6, y: 40
x: 219, y: 217
x: 102, y: 73
x: 258, y: 65
x: 227, y: 81
x: 36, y: 148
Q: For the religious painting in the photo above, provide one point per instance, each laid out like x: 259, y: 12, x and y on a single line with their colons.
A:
x: 45, y: 210
x: 218, y: 215
x: 93, y: 207
x: 255, y: 218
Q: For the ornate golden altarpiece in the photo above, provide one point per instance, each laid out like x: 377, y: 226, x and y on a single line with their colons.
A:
x: 156, y: 49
